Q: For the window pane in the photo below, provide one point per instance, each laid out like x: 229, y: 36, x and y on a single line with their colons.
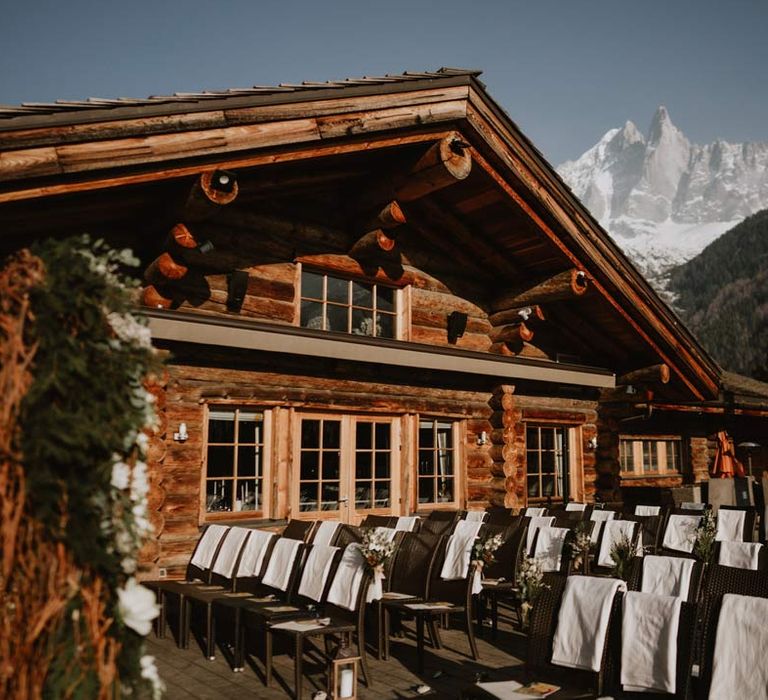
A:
x: 218, y: 494
x: 363, y: 466
x: 426, y: 435
x: 247, y: 494
x: 362, y: 295
x: 548, y: 462
x: 426, y: 462
x: 382, y: 495
x: 331, y: 434
x: 312, y: 315
x: 445, y: 490
x: 310, y: 433
x: 363, y: 435
x: 330, y: 496
x: 385, y: 298
x: 532, y: 438
x: 247, y: 461
x: 338, y: 290
x: 363, y: 495
x: 383, y: 431
x: 308, y: 497
x: 309, y: 466
x: 249, y: 431
x: 533, y: 486
x: 362, y: 322
x: 221, y: 461
x: 337, y: 318
x: 382, y: 465
x: 311, y: 285
x: 330, y: 465
x: 547, y: 439
x: 426, y: 490
x: 548, y: 485
x: 385, y: 326
x: 221, y: 427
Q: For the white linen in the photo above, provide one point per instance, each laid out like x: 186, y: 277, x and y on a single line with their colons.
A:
x: 548, y: 550
x: 535, y: 524
x: 224, y: 565
x: 576, y: 506
x: 612, y: 532
x: 280, y: 566
x: 325, y: 532
x: 667, y: 576
x: 680, y: 534
x: 582, y: 623
x: 739, y: 669
x: 349, y: 575
x: 458, y: 551
x: 476, y: 516
x: 690, y: 505
x: 599, y: 517
x: 407, y: 523
x: 316, y: 570
x: 649, y: 628
x: 504, y: 690
x: 730, y: 525
x: 254, y: 552
x: 647, y: 510
x: 388, y: 532
x: 535, y: 512
x: 742, y: 555
x: 206, y: 547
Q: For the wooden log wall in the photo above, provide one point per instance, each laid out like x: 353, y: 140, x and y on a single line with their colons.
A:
x: 190, y: 388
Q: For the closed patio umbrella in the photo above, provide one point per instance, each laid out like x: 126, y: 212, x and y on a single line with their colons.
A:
x: 726, y: 465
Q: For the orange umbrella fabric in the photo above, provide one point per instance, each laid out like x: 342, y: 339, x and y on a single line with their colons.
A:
x: 726, y: 465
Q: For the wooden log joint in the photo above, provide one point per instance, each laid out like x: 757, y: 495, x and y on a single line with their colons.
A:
x: 570, y: 284
x: 380, y: 232
x: 211, y: 190
x: 164, y: 268
x: 531, y: 315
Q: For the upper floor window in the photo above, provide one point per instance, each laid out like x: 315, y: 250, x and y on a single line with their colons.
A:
x: 235, y: 461
x: 348, y: 306
x: 649, y: 456
x: 437, y: 459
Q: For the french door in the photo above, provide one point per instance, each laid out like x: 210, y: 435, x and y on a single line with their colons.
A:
x: 345, y: 467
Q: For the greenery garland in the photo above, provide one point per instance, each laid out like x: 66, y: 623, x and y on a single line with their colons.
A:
x: 82, y: 443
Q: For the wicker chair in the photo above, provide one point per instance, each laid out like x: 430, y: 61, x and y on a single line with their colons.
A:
x: 379, y: 521
x: 721, y: 580
x: 762, y: 560
x: 635, y: 580
x: 598, y: 570
x: 750, y: 518
x: 346, y: 535
x: 499, y: 516
x: 441, y: 522
x: 299, y: 530
x: 652, y: 526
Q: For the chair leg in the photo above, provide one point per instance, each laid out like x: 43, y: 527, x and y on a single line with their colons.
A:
x: 210, y: 644
x: 239, y: 650
x: 494, y: 616
x: 298, y: 665
x: 185, y: 616
x: 434, y: 633
x: 471, y: 633
x: 386, y: 633
x: 367, y: 678
x: 420, y: 642
x: 268, y: 658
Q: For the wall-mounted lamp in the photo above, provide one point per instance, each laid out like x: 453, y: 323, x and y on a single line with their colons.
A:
x: 482, y: 439
x: 182, y: 435
x: 592, y: 443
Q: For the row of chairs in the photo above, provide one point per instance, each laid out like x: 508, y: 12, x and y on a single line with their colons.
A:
x: 708, y: 646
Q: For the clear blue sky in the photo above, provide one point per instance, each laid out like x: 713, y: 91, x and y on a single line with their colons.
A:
x: 565, y: 70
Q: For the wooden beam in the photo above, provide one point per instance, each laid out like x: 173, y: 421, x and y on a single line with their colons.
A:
x: 529, y: 314
x: 655, y: 374
x: 445, y: 163
x: 164, y: 268
x: 619, y: 395
x: 513, y: 334
x: 371, y: 245
x: 210, y: 191
x: 565, y: 285
x: 151, y: 297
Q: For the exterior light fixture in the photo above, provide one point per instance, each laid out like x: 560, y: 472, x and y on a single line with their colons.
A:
x: 182, y: 435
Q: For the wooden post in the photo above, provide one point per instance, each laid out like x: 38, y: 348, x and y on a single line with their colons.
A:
x: 565, y: 285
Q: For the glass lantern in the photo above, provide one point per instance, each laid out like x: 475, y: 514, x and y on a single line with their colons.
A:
x: 343, y: 676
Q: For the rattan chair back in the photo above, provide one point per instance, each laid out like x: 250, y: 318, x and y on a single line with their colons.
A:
x: 299, y: 529
x: 412, y: 563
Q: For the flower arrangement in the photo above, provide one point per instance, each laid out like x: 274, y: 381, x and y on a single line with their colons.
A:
x: 79, y: 444
x: 623, y: 553
x: 484, y: 550
x: 530, y: 585
x: 376, y: 548
x: 580, y: 547
x: 705, y: 537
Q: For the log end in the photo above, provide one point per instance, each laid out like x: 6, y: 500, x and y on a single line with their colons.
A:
x: 456, y: 156
x: 182, y: 237
x: 579, y: 282
x: 215, y: 192
x: 152, y: 298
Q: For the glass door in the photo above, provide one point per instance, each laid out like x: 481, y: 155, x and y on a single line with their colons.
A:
x: 346, y: 467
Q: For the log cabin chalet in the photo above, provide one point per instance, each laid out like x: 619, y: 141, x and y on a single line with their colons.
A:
x: 374, y: 296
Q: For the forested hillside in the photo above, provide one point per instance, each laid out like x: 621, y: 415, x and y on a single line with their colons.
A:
x: 722, y: 295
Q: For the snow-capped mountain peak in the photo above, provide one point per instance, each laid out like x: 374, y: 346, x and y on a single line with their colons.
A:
x: 662, y: 198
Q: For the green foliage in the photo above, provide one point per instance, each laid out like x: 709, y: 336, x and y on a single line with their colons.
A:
x: 706, y: 533
x: 722, y: 295
x: 81, y: 440
x: 623, y: 553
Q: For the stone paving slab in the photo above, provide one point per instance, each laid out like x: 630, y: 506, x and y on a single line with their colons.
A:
x: 188, y: 675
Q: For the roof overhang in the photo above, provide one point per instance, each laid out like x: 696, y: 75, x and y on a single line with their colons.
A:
x: 180, y: 327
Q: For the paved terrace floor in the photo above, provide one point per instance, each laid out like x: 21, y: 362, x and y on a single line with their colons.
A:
x: 188, y: 675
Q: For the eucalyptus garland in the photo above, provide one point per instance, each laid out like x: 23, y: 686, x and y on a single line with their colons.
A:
x: 82, y: 441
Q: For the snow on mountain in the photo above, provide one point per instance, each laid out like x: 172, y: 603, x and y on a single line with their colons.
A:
x: 664, y: 199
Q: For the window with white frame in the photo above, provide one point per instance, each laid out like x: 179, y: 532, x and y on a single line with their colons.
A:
x: 235, y: 461
x: 436, y: 462
x: 348, y: 306
x: 649, y: 455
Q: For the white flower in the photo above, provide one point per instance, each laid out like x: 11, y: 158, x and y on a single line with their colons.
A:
x: 129, y: 565
x: 140, y: 482
x: 137, y: 606
x: 129, y: 330
x: 142, y: 441
x: 149, y: 672
x: 121, y: 475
